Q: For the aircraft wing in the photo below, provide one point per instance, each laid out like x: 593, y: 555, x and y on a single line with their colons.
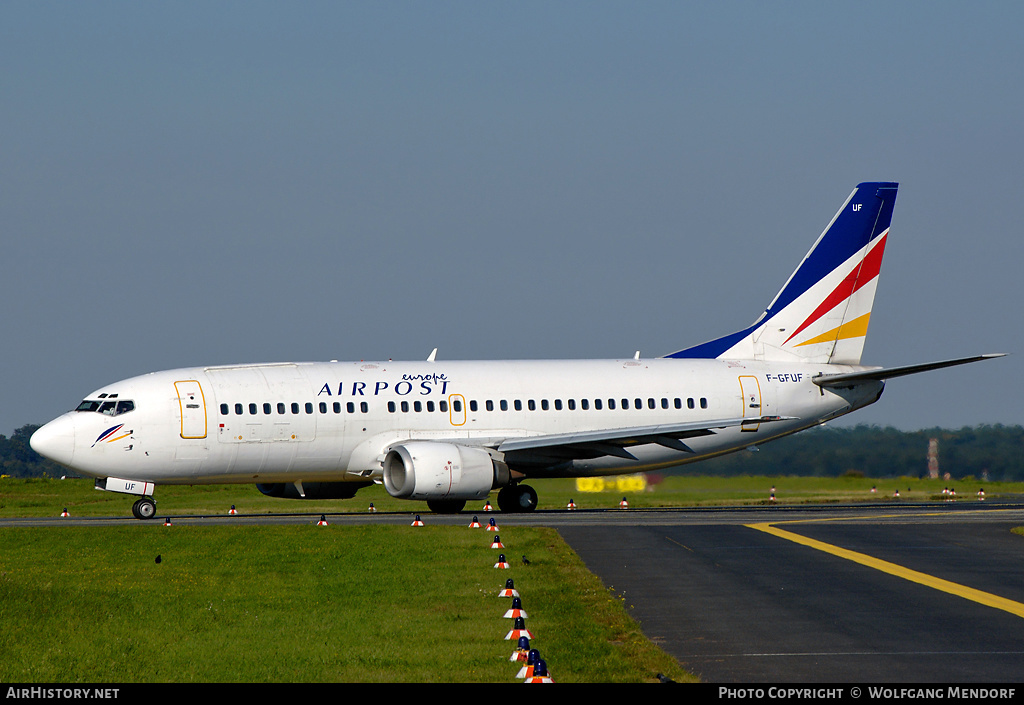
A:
x: 850, y: 379
x: 593, y: 444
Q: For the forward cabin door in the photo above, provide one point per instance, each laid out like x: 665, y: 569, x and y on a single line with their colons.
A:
x: 193, y: 408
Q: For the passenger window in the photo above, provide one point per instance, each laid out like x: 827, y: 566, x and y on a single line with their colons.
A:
x: 703, y: 403
x: 223, y: 409
x: 391, y: 407
x: 504, y: 405
x: 584, y: 404
x: 364, y: 407
x: 430, y: 406
x: 417, y: 406
x: 679, y: 403
x: 490, y: 405
x: 337, y: 407
x: 689, y: 403
x: 456, y: 406
x: 625, y: 404
x: 597, y: 404
x: 518, y: 405
x: 309, y: 407
x: 443, y: 406
x: 572, y: 405
x: 323, y: 407
x: 280, y: 407
x: 350, y: 407
x: 295, y: 408
x: 651, y: 404
x: 531, y: 405
x: 611, y: 403
x: 558, y: 404
x: 267, y: 408
x: 238, y: 409
x: 472, y: 404
x: 405, y: 407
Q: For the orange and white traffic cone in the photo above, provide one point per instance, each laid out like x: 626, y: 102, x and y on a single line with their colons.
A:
x: 323, y: 521
x: 571, y: 505
x: 496, y: 543
x: 516, y: 610
x: 532, y: 656
x: 518, y: 629
x: 623, y: 504
x: 65, y: 512
x: 522, y: 651
x: 502, y: 563
x: 417, y: 521
x: 540, y: 673
x: 510, y: 589
x: 232, y: 510
x: 475, y: 524
x: 491, y: 526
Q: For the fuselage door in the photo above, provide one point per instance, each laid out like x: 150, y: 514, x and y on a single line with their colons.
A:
x: 750, y: 390
x: 193, y: 408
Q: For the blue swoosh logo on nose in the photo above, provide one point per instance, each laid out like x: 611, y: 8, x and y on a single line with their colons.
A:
x: 108, y: 433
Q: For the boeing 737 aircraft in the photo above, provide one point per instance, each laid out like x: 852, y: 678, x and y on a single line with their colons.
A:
x: 448, y: 432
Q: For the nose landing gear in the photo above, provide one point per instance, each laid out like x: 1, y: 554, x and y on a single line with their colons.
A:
x: 144, y: 508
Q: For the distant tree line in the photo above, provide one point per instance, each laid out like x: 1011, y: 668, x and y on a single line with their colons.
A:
x: 992, y: 452
x: 995, y: 453
x: 17, y: 459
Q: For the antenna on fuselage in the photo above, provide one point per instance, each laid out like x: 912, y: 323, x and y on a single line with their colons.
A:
x: 432, y: 355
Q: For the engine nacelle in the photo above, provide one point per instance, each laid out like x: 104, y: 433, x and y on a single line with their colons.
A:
x: 431, y: 471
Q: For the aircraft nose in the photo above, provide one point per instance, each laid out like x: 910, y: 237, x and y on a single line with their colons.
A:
x: 55, y: 440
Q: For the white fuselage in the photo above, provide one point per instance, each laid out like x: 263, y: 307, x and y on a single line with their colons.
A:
x: 335, y: 421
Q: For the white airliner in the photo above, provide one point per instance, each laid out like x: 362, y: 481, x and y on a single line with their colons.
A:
x: 448, y: 432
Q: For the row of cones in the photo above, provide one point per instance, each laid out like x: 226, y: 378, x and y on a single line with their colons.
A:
x: 533, y: 669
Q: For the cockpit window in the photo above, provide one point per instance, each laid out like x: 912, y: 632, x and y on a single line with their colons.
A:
x: 110, y: 407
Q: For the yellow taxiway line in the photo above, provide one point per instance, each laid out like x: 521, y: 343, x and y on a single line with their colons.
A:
x: 979, y: 596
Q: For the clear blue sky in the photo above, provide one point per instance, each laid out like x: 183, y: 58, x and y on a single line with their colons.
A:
x: 190, y: 183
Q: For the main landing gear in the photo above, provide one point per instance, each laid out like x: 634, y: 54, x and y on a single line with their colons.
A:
x: 517, y: 498
x: 144, y: 508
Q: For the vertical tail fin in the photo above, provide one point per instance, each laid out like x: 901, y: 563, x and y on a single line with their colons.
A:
x: 822, y: 312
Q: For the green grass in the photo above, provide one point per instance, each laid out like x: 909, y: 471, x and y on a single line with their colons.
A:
x: 302, y: 604
x: 339, y: 603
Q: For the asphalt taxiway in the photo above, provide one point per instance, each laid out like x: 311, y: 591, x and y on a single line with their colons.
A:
x: 813, y: 593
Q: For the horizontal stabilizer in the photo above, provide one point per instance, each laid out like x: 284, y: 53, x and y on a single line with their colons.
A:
x: 850, y: 379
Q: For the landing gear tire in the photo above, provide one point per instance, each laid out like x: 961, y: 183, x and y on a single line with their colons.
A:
x: 517, y: 498
x: 446, y: 506
x: 144, y: 508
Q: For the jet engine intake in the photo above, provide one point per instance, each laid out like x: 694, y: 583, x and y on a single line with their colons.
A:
x: 425, y: 470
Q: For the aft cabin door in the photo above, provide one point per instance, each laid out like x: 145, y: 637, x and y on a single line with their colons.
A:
x: 750, y: 390
x: 193, y: 409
